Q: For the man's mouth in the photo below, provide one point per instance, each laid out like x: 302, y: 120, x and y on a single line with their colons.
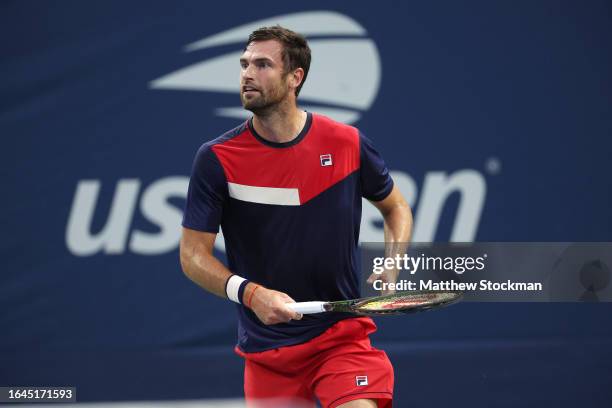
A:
x: 247, y: 89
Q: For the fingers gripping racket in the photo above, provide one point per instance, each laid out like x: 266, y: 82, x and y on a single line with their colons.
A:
x: 401, y: 302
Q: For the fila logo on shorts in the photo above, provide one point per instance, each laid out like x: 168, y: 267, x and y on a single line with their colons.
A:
x: 326, y: 160
x: 361, y: 380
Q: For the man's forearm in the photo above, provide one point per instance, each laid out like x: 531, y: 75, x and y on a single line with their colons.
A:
x: 398, y: 229
x: 204, y: 269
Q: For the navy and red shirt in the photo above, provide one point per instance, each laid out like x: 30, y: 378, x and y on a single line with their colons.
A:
x: 290, y: 214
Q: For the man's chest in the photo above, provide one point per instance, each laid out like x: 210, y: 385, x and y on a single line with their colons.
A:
x: 286, y: 176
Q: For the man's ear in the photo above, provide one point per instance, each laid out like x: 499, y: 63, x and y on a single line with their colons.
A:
x: 296, y: 77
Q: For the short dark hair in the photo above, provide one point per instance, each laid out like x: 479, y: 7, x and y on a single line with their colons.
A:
x: 296, y: 52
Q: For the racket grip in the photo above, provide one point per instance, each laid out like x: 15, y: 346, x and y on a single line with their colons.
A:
x: 307, y: 307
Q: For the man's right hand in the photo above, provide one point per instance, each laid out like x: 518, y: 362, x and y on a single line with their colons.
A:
x: 269, y: 305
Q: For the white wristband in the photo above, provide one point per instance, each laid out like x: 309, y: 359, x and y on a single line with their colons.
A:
x: 233, y: 287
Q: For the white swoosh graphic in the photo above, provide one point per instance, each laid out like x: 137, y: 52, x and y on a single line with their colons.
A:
x: 345, y: 73
x: 305, y: 23
x: 336, y: 75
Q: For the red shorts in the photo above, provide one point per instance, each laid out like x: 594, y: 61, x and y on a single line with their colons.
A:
x: 336, y: 367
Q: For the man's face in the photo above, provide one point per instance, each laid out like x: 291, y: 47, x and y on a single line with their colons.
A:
x: 263, y: 83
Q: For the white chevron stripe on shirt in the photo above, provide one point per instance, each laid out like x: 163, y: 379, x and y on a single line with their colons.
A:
x: 264, y: 195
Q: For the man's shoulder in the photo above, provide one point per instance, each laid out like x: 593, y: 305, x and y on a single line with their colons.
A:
x: 224, y: 138
x: 329, y: 123
x: 229, y: 135
x: 335, y: 129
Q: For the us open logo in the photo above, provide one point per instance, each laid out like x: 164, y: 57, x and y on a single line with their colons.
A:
x: 361, y: 380
x: 336, y: 87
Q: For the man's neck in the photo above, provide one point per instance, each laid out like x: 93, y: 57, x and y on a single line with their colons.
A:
x: 281, y: 125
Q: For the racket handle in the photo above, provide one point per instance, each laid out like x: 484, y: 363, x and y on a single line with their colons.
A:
x: 307, y: 307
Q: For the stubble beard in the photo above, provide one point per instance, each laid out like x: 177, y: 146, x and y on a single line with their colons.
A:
x: 265, y: 103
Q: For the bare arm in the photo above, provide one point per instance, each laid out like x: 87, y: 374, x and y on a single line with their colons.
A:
x: 398, y: 230
x: 202, y: 267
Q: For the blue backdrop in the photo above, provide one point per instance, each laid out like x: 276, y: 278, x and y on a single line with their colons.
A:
x: 495, y: 118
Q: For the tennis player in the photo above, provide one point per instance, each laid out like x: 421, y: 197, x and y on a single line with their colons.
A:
x: 286, y: 188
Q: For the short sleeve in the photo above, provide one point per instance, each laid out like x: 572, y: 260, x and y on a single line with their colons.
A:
x: 376, y: 183
x: 207, y: 192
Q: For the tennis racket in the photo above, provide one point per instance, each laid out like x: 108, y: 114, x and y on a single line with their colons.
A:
x: 401, y: 302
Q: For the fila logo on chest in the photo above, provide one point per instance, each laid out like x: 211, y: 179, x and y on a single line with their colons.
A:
x: 326, y: 160
x: 361, y: 380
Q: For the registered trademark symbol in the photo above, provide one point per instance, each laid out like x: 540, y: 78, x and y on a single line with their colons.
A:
x: 493, y: 166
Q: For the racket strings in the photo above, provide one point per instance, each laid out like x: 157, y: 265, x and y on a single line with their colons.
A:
x: 407, y: 301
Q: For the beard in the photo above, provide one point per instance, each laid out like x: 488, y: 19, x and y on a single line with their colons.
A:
x: 264, y: 102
